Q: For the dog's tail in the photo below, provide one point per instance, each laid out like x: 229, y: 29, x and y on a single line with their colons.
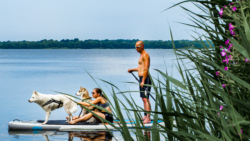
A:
x: 74, y: 109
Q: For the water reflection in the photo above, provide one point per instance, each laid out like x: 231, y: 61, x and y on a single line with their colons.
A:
x: 82, y: 135
x: 91, y: 136
x: 147, y: 135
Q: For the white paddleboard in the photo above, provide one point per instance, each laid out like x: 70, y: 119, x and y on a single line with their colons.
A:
x: 62, y: 125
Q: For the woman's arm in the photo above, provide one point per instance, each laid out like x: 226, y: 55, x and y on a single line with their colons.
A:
x: 97, y: 100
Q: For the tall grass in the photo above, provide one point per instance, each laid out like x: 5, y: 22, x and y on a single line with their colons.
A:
x: 211, y: 102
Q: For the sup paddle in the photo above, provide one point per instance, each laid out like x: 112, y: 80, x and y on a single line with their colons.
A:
x: 144, y: 88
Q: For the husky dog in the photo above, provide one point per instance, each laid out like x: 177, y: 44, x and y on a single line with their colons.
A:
x: 51, y: 102
x: 84, y: 94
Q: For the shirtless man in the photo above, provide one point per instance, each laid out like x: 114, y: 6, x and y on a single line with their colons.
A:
x: 143, y: 69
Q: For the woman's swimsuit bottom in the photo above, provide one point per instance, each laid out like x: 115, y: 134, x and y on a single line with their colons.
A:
x: 108, y: 117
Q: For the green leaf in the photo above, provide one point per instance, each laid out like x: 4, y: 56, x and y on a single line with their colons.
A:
x: 173, y: 80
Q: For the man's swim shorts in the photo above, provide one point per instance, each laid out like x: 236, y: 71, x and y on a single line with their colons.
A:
x: 143, y: 92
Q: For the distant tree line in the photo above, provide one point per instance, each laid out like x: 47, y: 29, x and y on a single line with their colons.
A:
x: 97, y: 44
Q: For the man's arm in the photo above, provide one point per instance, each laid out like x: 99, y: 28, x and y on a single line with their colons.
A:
x: 145, y: 69
x: 131, y: 70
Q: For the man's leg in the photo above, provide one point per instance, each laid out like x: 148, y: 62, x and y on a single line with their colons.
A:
x: 145, y: 115
x: 147, y: 108
x: 143, y: 96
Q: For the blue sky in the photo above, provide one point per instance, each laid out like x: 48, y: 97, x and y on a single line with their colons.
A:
x: 34, y: 20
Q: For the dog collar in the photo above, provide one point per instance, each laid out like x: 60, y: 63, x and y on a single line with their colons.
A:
x: 85, y: 99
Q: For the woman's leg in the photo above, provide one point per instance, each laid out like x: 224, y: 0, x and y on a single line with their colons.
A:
x: 86, y: 117
x: 100, y: 115
x: 74, y: 117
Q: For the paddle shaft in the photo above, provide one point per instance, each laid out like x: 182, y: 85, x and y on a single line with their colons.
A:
x: 142, y: 87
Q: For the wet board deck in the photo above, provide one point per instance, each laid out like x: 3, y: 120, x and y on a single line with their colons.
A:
x: 62, y: 125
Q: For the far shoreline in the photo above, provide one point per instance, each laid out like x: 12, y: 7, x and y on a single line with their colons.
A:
x: 81, y: 48
x: 101, y: 44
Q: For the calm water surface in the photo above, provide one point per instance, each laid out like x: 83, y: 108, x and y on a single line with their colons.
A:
x: 46, y: 71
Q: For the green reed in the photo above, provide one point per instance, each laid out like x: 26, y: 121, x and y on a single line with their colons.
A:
x: 211, y: 102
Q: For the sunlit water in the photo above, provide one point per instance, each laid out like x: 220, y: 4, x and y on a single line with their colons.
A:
x: 46, y: 71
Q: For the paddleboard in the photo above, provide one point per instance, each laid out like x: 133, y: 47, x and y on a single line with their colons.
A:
x: 62, y: 125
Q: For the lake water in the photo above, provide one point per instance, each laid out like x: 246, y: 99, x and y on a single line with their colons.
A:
x: 46, y: 71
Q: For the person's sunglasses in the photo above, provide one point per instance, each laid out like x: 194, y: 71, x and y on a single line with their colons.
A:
x: 138, y: 47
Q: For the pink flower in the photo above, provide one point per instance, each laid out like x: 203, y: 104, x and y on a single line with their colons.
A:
x: 218, y: 72
x: 221, y: 47
x: 232, y: 32
x: 227, y: 41
x: 230, y: 46
x: 236, y: 62
x: 226, y: 60
x: 241, y: 131
x: 221, y: 12
x: 221, y: 107
x: 231, y: 27
x: 223, y: 53
x: 223, y: 85
x: 246, y: 60
x: 226, y: 68
x: 225, y: 6
x: 230, y: 57
x: 234, y: 8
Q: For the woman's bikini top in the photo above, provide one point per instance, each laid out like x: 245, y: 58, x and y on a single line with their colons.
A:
x: 105, y: 105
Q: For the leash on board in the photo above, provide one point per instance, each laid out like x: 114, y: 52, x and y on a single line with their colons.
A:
x: 82, y: 108
x: 80, y: 113
x: 144, y: 88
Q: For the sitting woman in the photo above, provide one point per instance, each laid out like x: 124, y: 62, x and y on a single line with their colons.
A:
x: 101, y: 101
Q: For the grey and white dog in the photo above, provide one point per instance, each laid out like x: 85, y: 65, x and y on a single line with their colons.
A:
x: 84, y: 94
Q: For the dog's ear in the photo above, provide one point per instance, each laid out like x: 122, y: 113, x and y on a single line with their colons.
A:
x: 81, y: 87
x: 87, y: 94
x: 35, y: 92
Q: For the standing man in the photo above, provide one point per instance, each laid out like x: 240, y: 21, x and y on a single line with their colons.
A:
x: 143, y: 69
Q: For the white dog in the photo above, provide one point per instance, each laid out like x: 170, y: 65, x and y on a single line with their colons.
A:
x: 51, y: 102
